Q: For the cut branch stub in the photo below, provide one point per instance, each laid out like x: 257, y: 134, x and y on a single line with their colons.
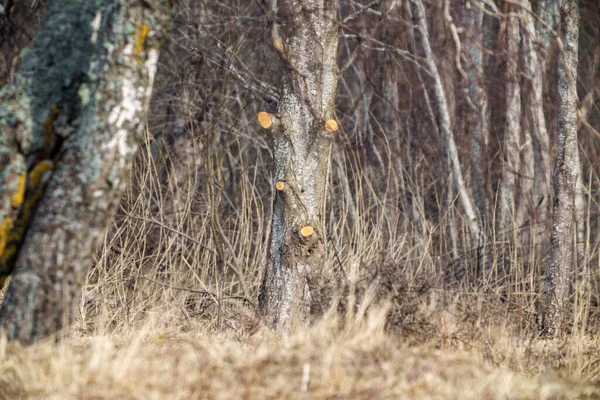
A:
x: 280, y: 186
x: 331, y: 125
x: 277, y: 44
x: 306, y: 231
x: 265, y: 120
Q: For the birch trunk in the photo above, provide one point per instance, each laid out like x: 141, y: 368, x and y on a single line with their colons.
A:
x: 302, y: 133
x: 445, y: 125
x: 71, y: 118
x: 558, y: 273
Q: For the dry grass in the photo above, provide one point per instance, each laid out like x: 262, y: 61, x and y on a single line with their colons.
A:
x: 356, y: 359
x: 164, y: 314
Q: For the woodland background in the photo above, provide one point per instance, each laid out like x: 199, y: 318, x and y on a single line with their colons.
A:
x: 421, y: 307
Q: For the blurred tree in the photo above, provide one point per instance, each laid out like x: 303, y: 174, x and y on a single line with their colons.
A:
x: 445, y: 123
x: 19, y: 22
x: 70, y: 121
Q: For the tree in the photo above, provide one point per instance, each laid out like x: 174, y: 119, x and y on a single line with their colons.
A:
x: 558, y: 273
x: 305, y: 35
x: 71, y: 118
x: 478, y: 100
x: 445, y: 123
x: 534, y: 70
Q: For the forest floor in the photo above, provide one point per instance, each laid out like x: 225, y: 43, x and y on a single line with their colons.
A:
x: 351, y: 356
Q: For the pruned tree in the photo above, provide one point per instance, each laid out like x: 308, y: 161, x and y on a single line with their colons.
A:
x: 69, y: 128
x: 305, y: 34
x: 566, y: 170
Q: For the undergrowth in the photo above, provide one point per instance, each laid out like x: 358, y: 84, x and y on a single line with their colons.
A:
x: 169, y: 308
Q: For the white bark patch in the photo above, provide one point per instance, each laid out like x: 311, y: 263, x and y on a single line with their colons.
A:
x: 128, y: 111
x: 151, y: 63
x: 95, y: 26
x: 119, y: 143
x: 131, y: 103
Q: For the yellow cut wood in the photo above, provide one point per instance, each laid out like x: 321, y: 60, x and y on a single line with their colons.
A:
x: 280, y: 186
x: 265, y: 120
x: 307, y: 231
x: 331, y: 125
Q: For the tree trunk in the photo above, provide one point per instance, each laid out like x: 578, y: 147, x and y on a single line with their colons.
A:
x: 558, y: 273
x: 473, y: 18
x: 512, y: 134
x: 302, y: 131
x: 534, y: 70
x: 71, y: 118
x: 445, y: 124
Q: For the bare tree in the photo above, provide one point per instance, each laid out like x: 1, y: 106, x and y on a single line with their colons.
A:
x: 306, y: 37
x: 72, y: 118
x: 558, y: 273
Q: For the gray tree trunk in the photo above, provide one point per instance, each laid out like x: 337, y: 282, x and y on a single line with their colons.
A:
x: 558, y: 273
x: 301, y: 146
x: 71, y: 118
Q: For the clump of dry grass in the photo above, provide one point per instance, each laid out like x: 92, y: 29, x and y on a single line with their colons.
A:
x: 338, y: 357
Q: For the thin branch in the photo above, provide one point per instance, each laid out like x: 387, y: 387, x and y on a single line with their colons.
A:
x: 205, y: 292
x: 366, y: 8
x: 231, y: 266
x: 407, y: 55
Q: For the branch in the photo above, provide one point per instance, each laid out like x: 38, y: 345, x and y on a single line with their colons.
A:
x: 366, y: 8
x: 231, y: 266
x: 205, y: 292
x: 402, y: 53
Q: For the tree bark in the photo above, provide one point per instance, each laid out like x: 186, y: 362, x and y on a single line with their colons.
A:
x: 72, y: 118
x: 302, y: 133
x: 558, y: 273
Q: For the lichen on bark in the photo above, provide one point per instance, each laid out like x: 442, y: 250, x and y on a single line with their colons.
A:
x: 72, y: 118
